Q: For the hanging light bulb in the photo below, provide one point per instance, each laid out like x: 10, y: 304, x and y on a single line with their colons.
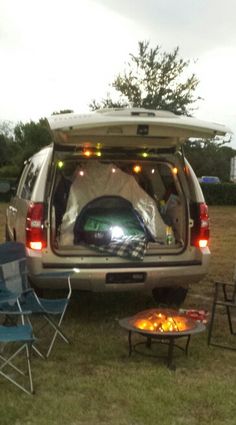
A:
x: 137, y: 168
x: 87, y: 152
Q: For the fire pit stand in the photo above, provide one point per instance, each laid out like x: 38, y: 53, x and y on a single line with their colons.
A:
x: 160, y: 337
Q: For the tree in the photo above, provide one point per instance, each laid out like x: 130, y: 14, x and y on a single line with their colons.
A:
x: 154, y: 80
x: 210, y: 158
x: 63, y: 111
x: 7, y: 146
x: 31, y: 137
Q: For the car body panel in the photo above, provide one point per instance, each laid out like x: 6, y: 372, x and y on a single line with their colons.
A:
x: 94, y: 279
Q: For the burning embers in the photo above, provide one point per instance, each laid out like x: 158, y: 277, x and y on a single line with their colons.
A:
x: 162, y: 321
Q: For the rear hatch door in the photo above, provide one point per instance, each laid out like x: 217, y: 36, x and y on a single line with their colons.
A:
x: 130, y: 128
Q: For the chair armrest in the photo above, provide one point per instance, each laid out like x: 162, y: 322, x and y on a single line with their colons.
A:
x: 67, y: 275
x: 232, y: 284
x: 39, y: 300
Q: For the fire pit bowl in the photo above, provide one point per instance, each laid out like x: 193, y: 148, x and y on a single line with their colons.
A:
x: 162, y: 325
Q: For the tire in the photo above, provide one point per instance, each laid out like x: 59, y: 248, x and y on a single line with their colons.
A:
x: 170, y: 296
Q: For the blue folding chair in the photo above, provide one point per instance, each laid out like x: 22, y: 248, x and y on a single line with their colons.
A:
x: 14, y: 282
x: 22, y: 336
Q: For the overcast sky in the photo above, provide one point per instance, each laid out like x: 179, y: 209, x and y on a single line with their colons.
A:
x: 59, y: 54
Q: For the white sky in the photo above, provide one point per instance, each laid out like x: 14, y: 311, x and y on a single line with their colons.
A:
x: 60, y: 54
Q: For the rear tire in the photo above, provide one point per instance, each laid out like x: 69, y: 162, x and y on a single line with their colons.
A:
x: 170, y: 296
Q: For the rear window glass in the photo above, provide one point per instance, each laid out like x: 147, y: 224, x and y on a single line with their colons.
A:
x: 31, y: 176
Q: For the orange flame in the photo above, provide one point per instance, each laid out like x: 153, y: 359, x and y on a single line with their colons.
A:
x: 162, y: 321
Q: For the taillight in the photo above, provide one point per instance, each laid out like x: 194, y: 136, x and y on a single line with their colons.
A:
x: 200, y: 231
x: 35, y: 232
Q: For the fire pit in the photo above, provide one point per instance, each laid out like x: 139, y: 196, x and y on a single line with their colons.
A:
x: 162, y: 325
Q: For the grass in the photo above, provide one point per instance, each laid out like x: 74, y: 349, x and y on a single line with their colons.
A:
x: 92, y: 381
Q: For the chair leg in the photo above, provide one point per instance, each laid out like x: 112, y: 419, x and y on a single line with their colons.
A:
x: 8, y: 362
x: 212, y: 316
x: 228, y: 310
x: 28, y: 354
x: 214, y: 305
x: 36, y: 350
x: 58, y: 331
x: 229, y: 320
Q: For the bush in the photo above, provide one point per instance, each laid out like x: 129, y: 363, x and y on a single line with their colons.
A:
x: 219, y: 194
x: 6, y: 189
x: 9, y: 171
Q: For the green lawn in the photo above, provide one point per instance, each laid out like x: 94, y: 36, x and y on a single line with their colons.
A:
x: 93, y: 381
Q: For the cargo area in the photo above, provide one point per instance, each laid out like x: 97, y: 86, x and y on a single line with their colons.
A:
x: 125, y: 205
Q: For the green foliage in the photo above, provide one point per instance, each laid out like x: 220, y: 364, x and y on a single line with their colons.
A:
x: 158, y: 80
x: 155, y: 80
x: 63, y: 111
x: 31, y: 137
x: 210, y: 158
x: 4, y: 150
x: 219, y: 194
x: 6, y: 193
x: 10, y: 170
x: 108, y: 103
x: 20, y: 143
x: 7, y: 146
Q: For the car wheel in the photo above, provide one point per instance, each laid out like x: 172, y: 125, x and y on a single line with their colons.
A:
x: 170, y: 296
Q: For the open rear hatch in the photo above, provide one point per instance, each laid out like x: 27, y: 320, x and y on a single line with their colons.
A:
x: 147, y: 128
x: 118, y: 186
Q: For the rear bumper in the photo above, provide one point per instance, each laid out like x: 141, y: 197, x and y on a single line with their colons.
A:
x: 96, y: 279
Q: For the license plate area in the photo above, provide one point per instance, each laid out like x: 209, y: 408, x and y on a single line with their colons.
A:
x: 135, y: 277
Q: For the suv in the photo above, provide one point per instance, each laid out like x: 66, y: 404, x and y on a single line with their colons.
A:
x: 114, y: 201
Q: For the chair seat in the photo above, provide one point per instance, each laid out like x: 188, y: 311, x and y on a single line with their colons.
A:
x: 49, y: 306
x: 21, y: 333
x: 54, y: 306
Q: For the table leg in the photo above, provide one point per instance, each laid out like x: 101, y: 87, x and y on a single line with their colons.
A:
x: 187, y: 345
x: 149, y: 342
x: 170, y: 354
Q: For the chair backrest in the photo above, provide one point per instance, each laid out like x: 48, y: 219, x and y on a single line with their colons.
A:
x: 13, y: 267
